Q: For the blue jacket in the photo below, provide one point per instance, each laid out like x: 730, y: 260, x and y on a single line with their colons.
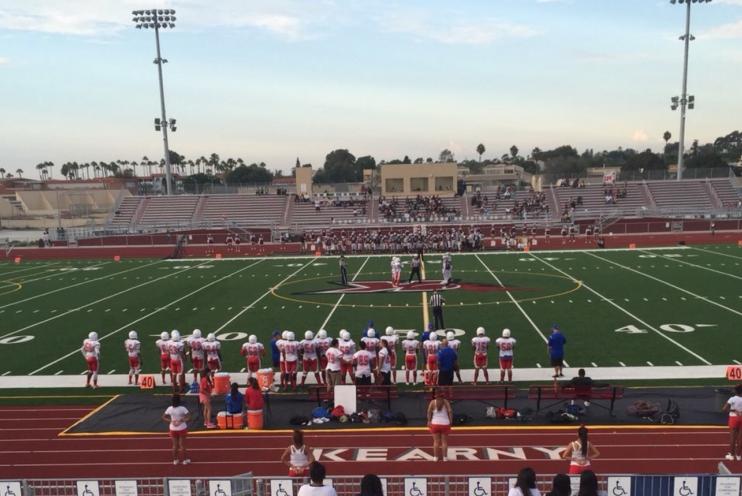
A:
x: 234, y: 406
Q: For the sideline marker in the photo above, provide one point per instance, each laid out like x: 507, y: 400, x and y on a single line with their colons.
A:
x: 734, y: 373
x: 147, y: 382
x: 18, y: 259
x: 739, y: 243
x: 117, y: 258
x: 218, y: 256
x: 632, y: 246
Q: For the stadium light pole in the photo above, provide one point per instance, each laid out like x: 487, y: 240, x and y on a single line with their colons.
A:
x: 159, y: 19
x: 684, y: 101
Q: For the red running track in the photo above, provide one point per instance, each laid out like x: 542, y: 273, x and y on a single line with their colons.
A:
x: 31, y: 447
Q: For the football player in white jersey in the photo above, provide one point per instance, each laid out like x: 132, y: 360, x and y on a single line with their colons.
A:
x: 195, y: 344
x: 281, y: 360
x: 410, y: 347
x: 506, y: 344
x: 162, y: 345
x: 291, y: 357
x: 348, y: 348
x: 447, y: 269
x: 212, y: 347
x: 252, y: 351
x: 309, y: 362
x: 372, y: 346
x: 391, y: 339
x: 91, y: 351
x: 396, y: 271
x: 480, y: 343
x: 133, y: 352
x: 176, y: 348
x: 323, y: 344
x: 454, y: 344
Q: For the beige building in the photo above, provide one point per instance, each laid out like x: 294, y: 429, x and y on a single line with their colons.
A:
x: 418, y: 179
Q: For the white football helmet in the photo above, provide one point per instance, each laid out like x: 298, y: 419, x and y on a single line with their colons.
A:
x: 164, y: 335
x: 322, y: 334
x: 371, y: 333
x: 506, y: 333
x: 175, y: 335
x: 480, y: 331
x: 197, y: 333
x: 450, y: 335
x: 389, y: 331
x: 211, y: 337
x: 252, y: 339
x: 133, y: 335
x: 308, y: 335
x: 93, y: 336
x: 344, y: 335
x: 411, y: 335
x: 290, y: 336
x: 285, y: 335
x: 433, y: 336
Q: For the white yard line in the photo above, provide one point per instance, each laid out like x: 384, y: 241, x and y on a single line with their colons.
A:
x: 75, y: 285
x: 57, y: 274
x: 77, y: 309
x: 158, y: 310
x: 329, y: 316
x: 644, y: 274
x: 697, y: 266
x: 716, y: 253
x: 611, y: 302
x: 270, y: 290
x: 40, y: 268
x: 512, y: 298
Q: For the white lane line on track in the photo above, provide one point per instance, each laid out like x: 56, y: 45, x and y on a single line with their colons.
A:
x: 340, y: 299
x: 644, y: 274
x: 696, y: 265
x: 74, y: 285
x: 652, y: 328
x: 156, y: 311
x: 92, y: 303
x: 270, y: 290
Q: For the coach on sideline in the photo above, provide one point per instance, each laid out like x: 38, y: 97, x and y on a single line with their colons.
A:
x: 447, y: 363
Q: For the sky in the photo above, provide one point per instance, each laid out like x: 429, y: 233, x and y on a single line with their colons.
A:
x: 275, y: 80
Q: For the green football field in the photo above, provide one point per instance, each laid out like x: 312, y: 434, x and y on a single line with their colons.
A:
x: 675, y: 306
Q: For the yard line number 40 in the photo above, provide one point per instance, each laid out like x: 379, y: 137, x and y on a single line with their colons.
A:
x: 677, y: 328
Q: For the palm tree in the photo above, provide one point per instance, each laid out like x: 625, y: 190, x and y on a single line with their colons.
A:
x: 97, y: 170
x: 480, y: 150
x: 19, y: 173
x: 134, y: 166
x: 41, y: 167
x: 2, y: 171
x: 50, y: 167
x: 514, y: 151
x: 667, y: 137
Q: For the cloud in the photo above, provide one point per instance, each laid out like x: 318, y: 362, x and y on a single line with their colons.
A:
x: 727, y: 31
x: 640, y: 136
x: 284, y: 26
x: 443, y: 29
x: 4, y: 61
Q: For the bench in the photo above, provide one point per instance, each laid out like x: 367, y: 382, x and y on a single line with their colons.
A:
x: 363, y: 393
x: 485, y: 393
x: 568, y: 393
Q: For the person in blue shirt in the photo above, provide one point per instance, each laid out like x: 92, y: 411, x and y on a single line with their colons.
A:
x: 447, y: 363
x: 275, y: 352
x: 426, y: 333
x: 555, y: 348
x: 369, y: 325
x: 234, y: 401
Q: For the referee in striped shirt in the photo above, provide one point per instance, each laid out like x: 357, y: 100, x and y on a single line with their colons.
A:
x: 436, y: 303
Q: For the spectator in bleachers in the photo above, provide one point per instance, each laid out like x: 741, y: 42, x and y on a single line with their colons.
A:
x: 525, y: 484
x: 316, y: 486
x: 371, y: 486
x: 589, y: 485
x: 560, y: 486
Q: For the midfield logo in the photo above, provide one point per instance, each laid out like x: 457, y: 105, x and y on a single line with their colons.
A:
x: 362, y: 287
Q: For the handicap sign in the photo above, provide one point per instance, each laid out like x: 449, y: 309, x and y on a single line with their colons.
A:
x: 619, y: 486
x: 179, y: 487
x: 10, y: 488
x: 282, y: 487
x: 727, y: 486
x: 126, y: 488
x: 685, y: 486
x: 220, y: 488
x: 88, y: 488
x: 480, y: 486
x: 415, y: 486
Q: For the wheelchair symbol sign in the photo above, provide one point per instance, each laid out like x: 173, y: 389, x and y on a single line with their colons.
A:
x: 282, y: 487
x: 220, y: 488
x: 88, y: 488
x: 480, y: 486
x: 619, y: 486
x: 685, y: 486
x: 10, y: 488
x: 415, y: 486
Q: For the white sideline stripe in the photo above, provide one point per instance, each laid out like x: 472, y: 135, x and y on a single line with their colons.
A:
x: 329, y: 316
x: 431, y: 254
x: 158, y: 310
x: 271, y: 289
x: 524, y: 375
x: 668, y: 284
x: 699, y: 266
x: 93, y: 303
x: 517, y: 304
x: 668, y: 338
x: 64, y: 273
x: 718, y: 253
x: 75, y: 285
